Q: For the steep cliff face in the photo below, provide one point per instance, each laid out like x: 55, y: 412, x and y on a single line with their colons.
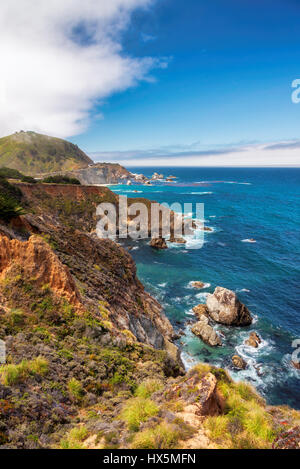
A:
x: 65, y: 216
x: 101, y: 173
x: 38, y: 262
x: 75, y: 206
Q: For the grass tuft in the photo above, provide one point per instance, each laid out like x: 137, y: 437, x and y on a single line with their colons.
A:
x: 138, y: 410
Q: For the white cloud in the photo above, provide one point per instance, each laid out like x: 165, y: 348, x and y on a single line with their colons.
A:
x: 50, y: 80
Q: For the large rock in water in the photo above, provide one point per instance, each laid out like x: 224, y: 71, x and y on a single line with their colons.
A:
x: 203, y: 330
x: 254, y: 340
x: 238, y: 362
x: 158, y: 243
x: 224, y: 307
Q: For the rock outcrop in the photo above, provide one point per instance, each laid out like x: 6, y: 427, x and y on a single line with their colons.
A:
x: 177, y: 240
x: 203, y: 330
x: 296, y: 365
x: 101, y: 173
x: 225, y: 308
x: 254, y: 340
x: 201, y: 310
x: 158, y: 243
x: 238, y: 362
x: 38, y: 262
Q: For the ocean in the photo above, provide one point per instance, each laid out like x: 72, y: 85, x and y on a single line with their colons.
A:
x: 240, y: 204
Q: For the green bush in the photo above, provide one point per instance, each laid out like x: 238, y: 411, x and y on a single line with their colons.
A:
x: 12, y: 374
x: 75, y: 438
x: 246, y: 423
x: 10, y: 200
x: 61, y: 180
x: 9, y: 173
x: 163, y: 436
x: 75, y: 389
x: 138, y: 410
x: 148, y: 387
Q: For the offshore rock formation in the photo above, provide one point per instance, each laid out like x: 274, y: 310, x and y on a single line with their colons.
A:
x: 197, y: 284
x: 225, y: 308
x: 201, y: 310
x: 158, y: 243
x: 238, y: 362
x: 203, y: 330
x: 254, y: 340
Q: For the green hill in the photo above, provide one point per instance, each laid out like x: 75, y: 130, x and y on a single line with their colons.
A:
x: 33, y: 154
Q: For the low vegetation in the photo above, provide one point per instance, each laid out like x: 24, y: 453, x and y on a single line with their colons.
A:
x: 9, y: 173
x: 61, y: 180
x: 245, y: 423
x: 162, y: 436
x: 138, y: 410
x: 13, y: 374
x: 10, y: 200
x: 75, y: 438
x: 75, y: 389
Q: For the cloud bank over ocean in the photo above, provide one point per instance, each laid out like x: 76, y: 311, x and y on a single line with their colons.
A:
x: 270, y: 154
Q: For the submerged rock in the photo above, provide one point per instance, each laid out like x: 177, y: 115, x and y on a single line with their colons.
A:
x: 177, y: 240
x: 224, y: 307
x: 197, y: 284
x: 254, y: 340
x: 238, y: 362
x: 203, y: 330
x: 158, y: 243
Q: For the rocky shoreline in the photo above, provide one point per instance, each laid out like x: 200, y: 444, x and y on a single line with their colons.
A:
x: 91, y: 361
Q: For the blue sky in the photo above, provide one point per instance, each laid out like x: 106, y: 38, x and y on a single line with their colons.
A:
x: 193, y: 76
x: 228, y: 80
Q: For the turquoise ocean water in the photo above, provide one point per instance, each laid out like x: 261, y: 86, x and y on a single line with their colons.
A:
x: 240, y: 204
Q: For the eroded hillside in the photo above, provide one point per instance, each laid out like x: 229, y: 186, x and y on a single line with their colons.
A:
x: 90, y: 358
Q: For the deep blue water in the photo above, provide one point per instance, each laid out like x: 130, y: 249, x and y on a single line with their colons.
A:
x: 240, y: 204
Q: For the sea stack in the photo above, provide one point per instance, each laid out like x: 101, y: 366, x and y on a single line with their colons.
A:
x: 224, y: 307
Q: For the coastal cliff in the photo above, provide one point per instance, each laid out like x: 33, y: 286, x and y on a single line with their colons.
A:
x: 90, y: 358
x: 101, y: 173
x: 40, y: 155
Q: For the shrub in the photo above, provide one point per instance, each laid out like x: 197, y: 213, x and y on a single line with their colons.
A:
x: 75, y: 438
x: 39, y: 366
x: 10, y: 198
x: 10, y: 173
x: 148, y: 387
x: 17, y: 317
x: 138, y: 410
x: 75, y: 389
x: 61, y: 180
x: 246, y: 423
x: 163, y: 436
x: 12, y: 374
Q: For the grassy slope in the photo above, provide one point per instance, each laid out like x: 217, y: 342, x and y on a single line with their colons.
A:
x: 33, y: 153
